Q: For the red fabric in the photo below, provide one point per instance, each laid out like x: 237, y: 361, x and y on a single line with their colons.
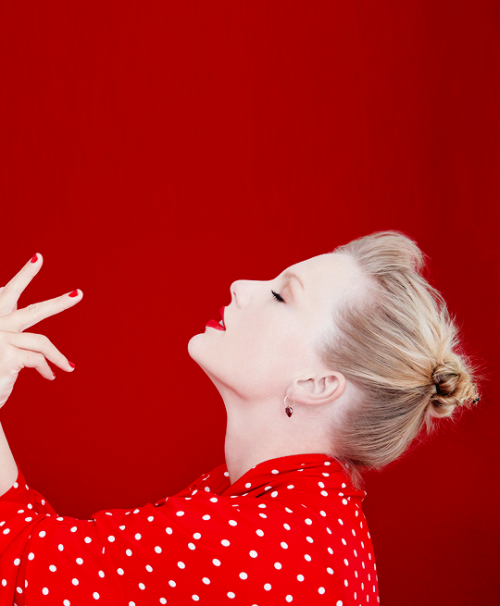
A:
x: 290, y: 530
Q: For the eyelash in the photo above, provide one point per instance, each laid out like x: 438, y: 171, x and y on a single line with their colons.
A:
x: 278, y: 297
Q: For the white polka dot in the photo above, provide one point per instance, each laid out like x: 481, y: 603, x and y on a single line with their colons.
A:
x: 195, y: 597
x: 101, y: 574
x: 206, y: 580
x: 171, y: 583
x: 45, y: 591
x: 17, y: 561
x: 206, y: 517
x: 6, y: 531
x: 168, y: 530
x: 339, y: 603
x: 341, y: 522
x: 308, y: 521
x: 230, y: 594
x: 4, y: 582
x: 284, y: 545
x: 42, y: 533
x: 193, y: 546
x: 120, y: 571
x: 289, y: 598
x: 262, y: 505
x: 346, y: 562
x: 67, y: 603
x: 163, y: 601
x: 344, y: 501
x: 214, y: 499
x: 31, y: 556
x: 274, y: 493
x: 142, y: 586
x: 248, y: 485
x: 323, y: 513
x: 330, y: 550
x: 232, y: 523
x: 179, y: 513
x: 307, y: 557
x: 346, y: 583
x: 95, y: 595
x: 16, y: 485
x: 324, y: 493
x: 75, y: 582
x: 309, y: 539
x: 278, y: 566
x: 262, y: 515
x: 52, y: 568
x: 290, y: 486
x: 321, y: 485
x: 253, y: 553
x: 150, y: 518
x: 216, y: 562
x: 111, y: 538
x: 197, y: 535
x: 29, y: 519
x: 259, y: 532
x: 128, y: 552
x: 79, y: 561
x: 300, y: 577
x: 87, y: 539
x: 267, y: 586
x: 73, y: 529
x: 286, y: 526
x: 321, y: 590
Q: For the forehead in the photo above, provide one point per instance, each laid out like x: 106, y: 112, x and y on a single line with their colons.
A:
x: 331, y: 268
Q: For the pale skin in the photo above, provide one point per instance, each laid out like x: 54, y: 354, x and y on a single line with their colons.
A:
x: 267, y: 352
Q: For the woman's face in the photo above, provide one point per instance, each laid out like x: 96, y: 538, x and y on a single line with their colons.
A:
x: 267, y: 342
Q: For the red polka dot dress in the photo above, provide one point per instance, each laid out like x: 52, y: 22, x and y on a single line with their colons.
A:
x: 291, y: 530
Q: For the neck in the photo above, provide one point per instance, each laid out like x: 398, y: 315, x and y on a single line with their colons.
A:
x: 258, y: 433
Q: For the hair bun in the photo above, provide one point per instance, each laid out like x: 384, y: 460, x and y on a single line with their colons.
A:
x: 452, y: 386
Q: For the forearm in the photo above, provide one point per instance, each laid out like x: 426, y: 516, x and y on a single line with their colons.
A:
x: 8, y: 466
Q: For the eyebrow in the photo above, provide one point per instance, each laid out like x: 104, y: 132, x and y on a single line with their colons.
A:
x: 290, y: 274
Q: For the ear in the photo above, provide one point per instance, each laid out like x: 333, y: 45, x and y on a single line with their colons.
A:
x: 319, y: 389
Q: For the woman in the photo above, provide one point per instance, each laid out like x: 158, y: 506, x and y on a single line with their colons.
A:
x: 331, y: 368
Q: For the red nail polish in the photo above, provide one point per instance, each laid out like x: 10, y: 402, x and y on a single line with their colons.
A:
x: 71, y: 364
x: 74, y: 293
x: 54, y: 373
x: 34, y: 259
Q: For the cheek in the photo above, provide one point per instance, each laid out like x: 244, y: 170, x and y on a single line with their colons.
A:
x: 266, y: 350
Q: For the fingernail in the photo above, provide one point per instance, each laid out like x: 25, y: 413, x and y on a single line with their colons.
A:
x: 74, y: 293
x: 34, y: 259
x: 71, y: 364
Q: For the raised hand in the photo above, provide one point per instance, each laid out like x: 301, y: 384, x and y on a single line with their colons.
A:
x: 19, y: 349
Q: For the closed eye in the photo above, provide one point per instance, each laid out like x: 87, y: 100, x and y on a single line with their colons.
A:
x: 278, y: 297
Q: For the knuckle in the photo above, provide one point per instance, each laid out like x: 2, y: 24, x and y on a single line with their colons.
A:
x: 33, y: 308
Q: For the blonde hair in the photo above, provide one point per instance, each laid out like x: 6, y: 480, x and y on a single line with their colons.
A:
x: 399, y: 348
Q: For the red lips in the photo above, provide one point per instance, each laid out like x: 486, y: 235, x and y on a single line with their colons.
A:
x: 216, y: 325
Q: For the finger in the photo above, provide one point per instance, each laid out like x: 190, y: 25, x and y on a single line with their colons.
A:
x: 30, y: 359
x: 38, y: 344
x: 13, y: 289
x: 22, y: 319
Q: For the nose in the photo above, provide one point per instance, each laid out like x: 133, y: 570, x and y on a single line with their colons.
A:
x: 240, y: 291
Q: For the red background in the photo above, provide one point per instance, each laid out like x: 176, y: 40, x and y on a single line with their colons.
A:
x: 154, y: 152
